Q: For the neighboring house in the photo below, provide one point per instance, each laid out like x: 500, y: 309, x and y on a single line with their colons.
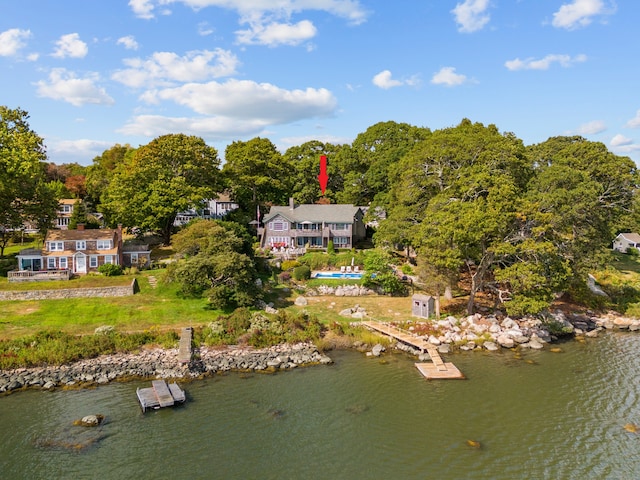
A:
x: 79, y: 251
x: 65, y: 210
x: 213, y: 209
x: 625, y: 241
x: 297, y: 226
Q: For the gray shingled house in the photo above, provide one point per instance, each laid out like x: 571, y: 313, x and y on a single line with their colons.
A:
x: 310, y: 225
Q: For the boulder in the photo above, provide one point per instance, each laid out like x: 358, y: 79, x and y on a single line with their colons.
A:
x: 377, y: 350
x: 492, y: 347
x: 535, y: 344
x: 444, y: 348
x: 505, y: 341
x: 301, y: 301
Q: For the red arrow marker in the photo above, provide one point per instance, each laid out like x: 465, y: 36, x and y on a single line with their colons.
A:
x: 323, y: 178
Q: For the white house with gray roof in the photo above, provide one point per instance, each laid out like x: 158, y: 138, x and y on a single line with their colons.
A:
x: 624, y: 241
x: 311, y: 225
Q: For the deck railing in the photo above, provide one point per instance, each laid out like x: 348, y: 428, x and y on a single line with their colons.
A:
x: 37, y: 276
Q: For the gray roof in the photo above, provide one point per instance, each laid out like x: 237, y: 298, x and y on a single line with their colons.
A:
x: 631, y: 237
x: 339, y: 213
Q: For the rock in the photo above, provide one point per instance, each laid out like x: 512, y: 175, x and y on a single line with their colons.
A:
x: 359, y: 314
x: 377, y: 350
x: 346, y: 312
x: 91, y: 420
x: 433, y: 340
x: 301, y: 301
x: 505, y: 341
x: 593, y: 333
x: 269, y: 309
x: 444, y: 348
x: 535, y: 344
x: 492, y: 347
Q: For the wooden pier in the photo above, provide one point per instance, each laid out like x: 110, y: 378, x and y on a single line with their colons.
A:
x: 436, y: 369
x: 185, y: 350
x: 160, y: 395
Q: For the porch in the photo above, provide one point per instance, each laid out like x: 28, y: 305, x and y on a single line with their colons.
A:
x: 38, y: 275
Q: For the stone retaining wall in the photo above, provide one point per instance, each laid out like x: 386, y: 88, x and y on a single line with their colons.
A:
x: 64, y: 293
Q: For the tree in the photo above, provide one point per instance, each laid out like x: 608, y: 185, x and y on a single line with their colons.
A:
x: 24, y: 194
x: 213, y: 263
x: 170, y: 174
x: 367, y: 164
x: 305, y: 162
x: 80, y: 216
x: 99, y: 173
x: 256, y: 174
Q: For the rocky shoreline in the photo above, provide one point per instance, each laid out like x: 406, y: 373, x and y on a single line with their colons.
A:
x: 161, y: 363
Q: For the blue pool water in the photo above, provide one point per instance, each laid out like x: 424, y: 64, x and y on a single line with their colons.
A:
x: 338, y: 275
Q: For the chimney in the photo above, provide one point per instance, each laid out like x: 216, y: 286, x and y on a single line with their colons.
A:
x: 291, y: 204
x: 80, y: 227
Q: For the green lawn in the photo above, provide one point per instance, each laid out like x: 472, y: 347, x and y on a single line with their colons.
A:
x: 158, y: 308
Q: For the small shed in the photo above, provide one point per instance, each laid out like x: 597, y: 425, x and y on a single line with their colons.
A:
x: 423, y: 306
x: 625, y: 241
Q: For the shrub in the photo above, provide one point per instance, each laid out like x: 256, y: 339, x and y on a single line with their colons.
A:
x: 284, y: 277
x: 406, y: 269
x: 330, y: 248
x: 289, y: 264
x: 110, y: 270
x: 303, y: 272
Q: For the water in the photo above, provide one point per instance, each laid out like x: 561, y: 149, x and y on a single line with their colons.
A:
x: 543, y: 416
x: 334, y: 275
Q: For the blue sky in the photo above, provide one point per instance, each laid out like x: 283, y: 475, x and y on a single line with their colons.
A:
x: 95, y: 73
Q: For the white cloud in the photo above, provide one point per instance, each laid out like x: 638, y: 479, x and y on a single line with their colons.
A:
x: 209, y: 128
x: 249, y: 101
x: 70, y: 45
x: 635, y: 121
x: 620, y: 140
x: 385, y: 81
x: 275, y: 34
x: 13, y: 40
x: 64, y: 85
x: 81, y: 151
x: 204, y: 29
x: 578, y: 13
x: 544, y: 63
x: 129, y: 42
x: 448, y: 76
x: 142, y: 8
x: 166, y: 68
x: 592, y: 128
x: 471, y: 15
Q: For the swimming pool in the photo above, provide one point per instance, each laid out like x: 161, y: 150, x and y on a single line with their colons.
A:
x: 338, y: 275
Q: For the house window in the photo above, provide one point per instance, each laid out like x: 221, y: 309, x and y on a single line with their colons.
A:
x: 51, y: 263
x: 278, y: 226
x: 340, y: 241
x: 134, y: 258
x: 340, y: 226
x: 93, y: 261
x: 108, y: 259
x: 63, y: 262
x: 63, y: 221
x: 103, y: 244
x: 56, y: 246
x: 81, y: 245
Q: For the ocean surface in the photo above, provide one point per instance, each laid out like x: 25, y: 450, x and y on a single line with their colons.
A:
x: 535, y: 415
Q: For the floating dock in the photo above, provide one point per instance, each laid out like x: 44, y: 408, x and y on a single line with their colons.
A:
x: 160, y: 395
x: 436, y: 369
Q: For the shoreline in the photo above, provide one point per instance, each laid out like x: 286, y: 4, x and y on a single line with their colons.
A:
x: 471, y: 333
x: 160, y: 363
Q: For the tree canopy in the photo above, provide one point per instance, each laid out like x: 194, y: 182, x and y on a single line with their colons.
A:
x: 25, y: 196
x: 170, y: 174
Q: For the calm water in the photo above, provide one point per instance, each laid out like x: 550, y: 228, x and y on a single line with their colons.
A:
x: 547, y: 415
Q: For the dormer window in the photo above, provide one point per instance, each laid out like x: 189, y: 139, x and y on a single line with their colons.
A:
x: 104, y: 245
x: 56, y: 246
x: 81, y: 245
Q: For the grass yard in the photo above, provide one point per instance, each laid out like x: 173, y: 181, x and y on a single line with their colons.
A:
x: 158, y: 308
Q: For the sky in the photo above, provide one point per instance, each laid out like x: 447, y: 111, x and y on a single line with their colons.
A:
x: 92, y: 74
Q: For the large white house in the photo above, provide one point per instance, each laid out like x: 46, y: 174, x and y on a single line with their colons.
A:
x: 624, y: 241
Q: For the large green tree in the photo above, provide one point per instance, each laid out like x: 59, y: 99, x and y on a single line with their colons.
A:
x: 99, y: 173
x: 256, y: 174
x: 368, y: 163
x: 305, y: 163
x: 170, y: 174
x: 215, y: 261
x: 24, y: 194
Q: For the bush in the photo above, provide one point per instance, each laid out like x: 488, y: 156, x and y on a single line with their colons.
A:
x: 289, y: 265
x: 284, y: 277
x: 303, y: 272
x: 110, y: 270
x: 330, y: 248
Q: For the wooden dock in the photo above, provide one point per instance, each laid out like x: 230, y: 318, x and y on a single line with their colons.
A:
x: 185, y: 351
x: 160, y: 395
x: 436, y: 369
